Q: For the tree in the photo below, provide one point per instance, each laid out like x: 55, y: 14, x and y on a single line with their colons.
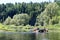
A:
x: 56, y: 0
x: 7, y: 21
x: 20, y: 19
x: 49, y: 13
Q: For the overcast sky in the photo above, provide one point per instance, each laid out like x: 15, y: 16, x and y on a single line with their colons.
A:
x: 27, y: 1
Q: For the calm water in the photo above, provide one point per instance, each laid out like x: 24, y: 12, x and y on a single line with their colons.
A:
x: 29, y: 36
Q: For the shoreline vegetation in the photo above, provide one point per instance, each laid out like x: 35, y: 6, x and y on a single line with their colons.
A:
x: 28, y: 28
x: 24, y: 17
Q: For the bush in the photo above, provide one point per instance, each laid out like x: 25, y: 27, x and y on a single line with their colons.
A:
x: 18, y: 19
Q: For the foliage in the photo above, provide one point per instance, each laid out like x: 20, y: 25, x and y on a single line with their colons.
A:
x: 7, y: 21
x: 27, y: 28
x: 32, y: 9
x: 18, y: 19
x: 49, y: 16
x: 23, y: 17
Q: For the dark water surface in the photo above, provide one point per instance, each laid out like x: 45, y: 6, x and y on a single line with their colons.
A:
x: 29, y: 36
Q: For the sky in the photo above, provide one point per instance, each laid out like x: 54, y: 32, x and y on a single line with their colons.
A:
x: 27, y: 1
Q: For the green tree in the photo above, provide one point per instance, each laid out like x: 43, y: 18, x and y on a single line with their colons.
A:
x: 32, y: 9
x: 20, y: 19
x: 48, y: 14
x: 7, y: 21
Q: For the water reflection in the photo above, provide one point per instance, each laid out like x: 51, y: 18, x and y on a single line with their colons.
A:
x: 29, y: 36
x: 41, y: 36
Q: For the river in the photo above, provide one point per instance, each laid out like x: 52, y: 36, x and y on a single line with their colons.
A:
x: 29, y: 36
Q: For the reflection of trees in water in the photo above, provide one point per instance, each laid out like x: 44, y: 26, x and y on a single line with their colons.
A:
x: 17, y: 36
x: 41, y: 36
x: 33, y: 36
x: 30, y: 36
x: 54, y: 36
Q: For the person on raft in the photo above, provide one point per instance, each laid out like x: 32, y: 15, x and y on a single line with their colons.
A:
x: 40, y: 30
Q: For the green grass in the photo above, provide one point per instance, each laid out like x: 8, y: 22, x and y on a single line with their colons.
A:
x: 27, y: 28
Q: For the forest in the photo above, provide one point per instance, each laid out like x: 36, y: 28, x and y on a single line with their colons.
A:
x: 26, y: 10
x: 29, y: 15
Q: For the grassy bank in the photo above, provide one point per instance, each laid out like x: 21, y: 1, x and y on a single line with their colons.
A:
x: 27, y: 28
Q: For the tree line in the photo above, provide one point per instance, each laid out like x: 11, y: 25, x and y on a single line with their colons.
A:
x: 43, y: 13
x: 32, y: 9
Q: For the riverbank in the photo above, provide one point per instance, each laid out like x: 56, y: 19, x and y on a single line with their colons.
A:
x: 27, y: 28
